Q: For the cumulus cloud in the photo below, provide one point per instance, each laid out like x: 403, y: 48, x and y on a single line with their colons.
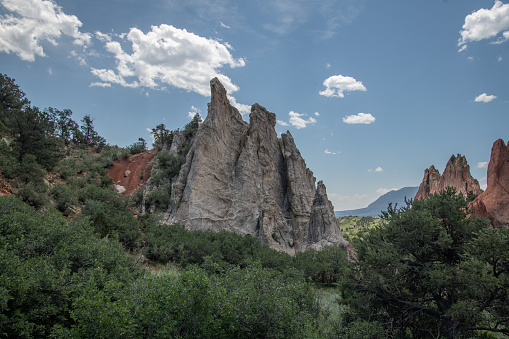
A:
x: 298, y: 122
x: 486, y: 24
x: 243, y: 108
x: 99, y: 84
x: 193, y: 112
x: 482, y: 164
x: 485, y: 98
x: 377, y: 170
x: 329, y: 152
x: 168, y: 55
x: 30, y: 23
x: 336, y: 85
x: 360, y: 118
x: 282, y: 123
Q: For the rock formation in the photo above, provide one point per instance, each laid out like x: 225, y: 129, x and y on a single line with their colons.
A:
x: 494, y: 202
x: 456, y: 174
x: 237, y: 177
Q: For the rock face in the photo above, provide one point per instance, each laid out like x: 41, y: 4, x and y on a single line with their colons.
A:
x: 237, y: 177
x: 494, y: 202
x: 456, y: 174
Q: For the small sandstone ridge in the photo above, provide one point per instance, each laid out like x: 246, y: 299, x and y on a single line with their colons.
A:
x: 132, y: 172
x: 456, y: 174
x: 237, y: 177
x: 493, y: 203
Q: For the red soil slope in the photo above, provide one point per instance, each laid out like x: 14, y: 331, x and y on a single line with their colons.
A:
x: 135, y: 164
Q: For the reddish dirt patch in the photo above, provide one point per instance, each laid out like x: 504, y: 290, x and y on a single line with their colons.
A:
x: 135, y: 164
x: 5, y: 186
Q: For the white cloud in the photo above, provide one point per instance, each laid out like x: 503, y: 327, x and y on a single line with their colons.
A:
x: 99, y: 84
x: 50, y: 71
x: 485, y: 98
x: 152, y: 135
x: 482, y: 164
x: 378, y: 170
x: 462, y: 48
x: 486, y: 24
x: 499, y: 59
x: 243, y: 109
x: 502, y: 39
x: 223, y: 25
x: 193, y: 112
x: 33, y: 22
x: 317, y: 114
x: 360, y: 118
x: 383, y: 191
x: 298, y: 122
x: 484, y: 183
x: 337, y: 84
x: 329, y: 152
x: 168, y: 55
x: 282, y: 123
x: 327, y: 65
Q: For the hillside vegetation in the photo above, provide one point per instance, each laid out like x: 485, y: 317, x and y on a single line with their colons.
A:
x: 355, y: 227
x: 75, y: 261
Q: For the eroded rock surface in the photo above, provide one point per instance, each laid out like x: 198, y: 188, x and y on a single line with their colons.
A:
x: 456, y: 174
x: 237, y: 177
x: 494, y: 202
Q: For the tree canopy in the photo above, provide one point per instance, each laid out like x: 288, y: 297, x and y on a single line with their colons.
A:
x: 431, y: 271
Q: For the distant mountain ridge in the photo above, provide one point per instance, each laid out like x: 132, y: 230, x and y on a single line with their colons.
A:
x: 375, y: 208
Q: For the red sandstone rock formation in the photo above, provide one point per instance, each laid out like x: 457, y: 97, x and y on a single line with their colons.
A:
x: 456, y: 174
x: 494, y: 202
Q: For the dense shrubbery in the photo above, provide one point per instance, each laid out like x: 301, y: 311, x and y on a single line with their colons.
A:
x: 220, y: 251
x: 46, y: 265
x: 59, y: 279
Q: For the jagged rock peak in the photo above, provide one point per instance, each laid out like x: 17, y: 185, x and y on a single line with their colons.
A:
x: 237, y: 178
x: 493, y: 202
x: 456, y: 174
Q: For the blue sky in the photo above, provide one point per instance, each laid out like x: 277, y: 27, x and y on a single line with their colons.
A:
x: 373, y: 91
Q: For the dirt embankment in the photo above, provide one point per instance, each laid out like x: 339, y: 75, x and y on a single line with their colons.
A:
x: 132, y: 172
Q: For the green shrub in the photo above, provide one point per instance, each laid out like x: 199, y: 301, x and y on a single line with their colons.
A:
x: 47, y: 268
x: 159, y: 197
x: 33, y: 194
x: 65, y: 198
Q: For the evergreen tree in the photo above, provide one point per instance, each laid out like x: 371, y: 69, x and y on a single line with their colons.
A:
x: 12, y: 99
x: 432, y: 272
x: 90, y: 137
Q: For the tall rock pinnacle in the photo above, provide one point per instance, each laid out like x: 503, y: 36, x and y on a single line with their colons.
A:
x: 238, y: 178
x: 493, y: 203
x: 456, y: 174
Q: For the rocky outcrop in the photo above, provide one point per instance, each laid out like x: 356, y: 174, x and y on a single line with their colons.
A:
x: 237, y: 177
x: 456, y: 174
x: 493, y: 203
